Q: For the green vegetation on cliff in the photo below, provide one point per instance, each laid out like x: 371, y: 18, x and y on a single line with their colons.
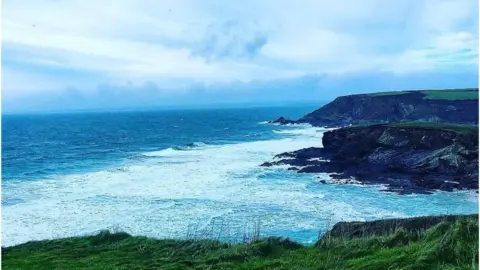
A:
x: 447, y: 94
x: 390, y: 93
x: 451, y: 106
x: 459, y: 128
x: 448, y: 245
x: 451, y: 94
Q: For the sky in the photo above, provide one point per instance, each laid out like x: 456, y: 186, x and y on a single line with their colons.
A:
x: 88, y: 54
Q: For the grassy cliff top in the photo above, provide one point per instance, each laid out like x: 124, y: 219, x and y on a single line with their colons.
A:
x: 389, y: 93
x: 459, y: 128
x: 447, y: 94
x: 448, y: 245
x: 451, y: 94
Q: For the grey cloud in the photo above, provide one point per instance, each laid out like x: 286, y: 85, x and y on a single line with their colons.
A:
x: 230, y: 40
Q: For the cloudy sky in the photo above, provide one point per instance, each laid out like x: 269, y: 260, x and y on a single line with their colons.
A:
x: 86, y: 54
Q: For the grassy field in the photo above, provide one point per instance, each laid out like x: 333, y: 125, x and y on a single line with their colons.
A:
x: 447, y: 94
x: 451, y: 94
x: 449, y: 245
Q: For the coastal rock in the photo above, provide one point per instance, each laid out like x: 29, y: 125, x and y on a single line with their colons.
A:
x: 282, y: 121
x: 406, y: 158
x: 452, y: 106
x: 267, y: 164
x: 349, y: 230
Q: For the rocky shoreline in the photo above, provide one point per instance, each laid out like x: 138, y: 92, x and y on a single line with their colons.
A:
x: 408, y: 141
x: 406, y: 158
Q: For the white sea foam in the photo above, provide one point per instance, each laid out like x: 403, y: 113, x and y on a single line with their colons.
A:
x: 285, y: 125
x: 172, y: 189
x: 305, y: 130
x: 318, y: 159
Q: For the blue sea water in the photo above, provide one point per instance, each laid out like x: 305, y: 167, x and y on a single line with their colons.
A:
x: 171, y: 173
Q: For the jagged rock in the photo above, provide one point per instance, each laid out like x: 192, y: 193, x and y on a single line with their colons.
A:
x: 267, y: 164
x: 408, y: 158
x: 282, y: 121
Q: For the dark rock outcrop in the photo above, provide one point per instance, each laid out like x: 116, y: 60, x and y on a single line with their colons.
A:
x: 282, y: 121
x: 453, y: 106
x: 407, y: 158
x: 349, y: 230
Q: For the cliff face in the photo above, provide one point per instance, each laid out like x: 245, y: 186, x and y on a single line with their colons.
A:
x: 408, y: 158
x: 432, y: 146
x: 453, y: 106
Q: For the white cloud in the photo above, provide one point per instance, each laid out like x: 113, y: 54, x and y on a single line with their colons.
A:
x: 444, y: 16
x: 161, y: 41
x: 445, y: 51
x: 315, y: 45
x: 20, y: 84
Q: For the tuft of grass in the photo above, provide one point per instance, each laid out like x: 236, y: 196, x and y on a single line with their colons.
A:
x: 460, y: 94
x: 448, y: 245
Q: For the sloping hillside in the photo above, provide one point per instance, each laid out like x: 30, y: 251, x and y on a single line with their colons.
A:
x: 453, y: 106
x: 447, y: 243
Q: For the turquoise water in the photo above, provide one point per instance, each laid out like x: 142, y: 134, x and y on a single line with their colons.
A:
x: 168, y: 173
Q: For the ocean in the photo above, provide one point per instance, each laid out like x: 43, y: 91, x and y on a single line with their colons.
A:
x: 180, y: 174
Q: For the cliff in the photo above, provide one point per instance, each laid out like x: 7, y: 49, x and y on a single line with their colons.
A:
x: 453, y: 106
x: 406, y: 157
x: 354, y: 229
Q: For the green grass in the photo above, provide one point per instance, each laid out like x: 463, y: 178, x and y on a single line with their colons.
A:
x: 392, y: 93
x: 452, y: 245
x: 447, y: 94
x: 451, y: 94
x: 459, y: 128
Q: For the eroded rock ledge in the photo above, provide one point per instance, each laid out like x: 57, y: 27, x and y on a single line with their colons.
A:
x: 405, y: 157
